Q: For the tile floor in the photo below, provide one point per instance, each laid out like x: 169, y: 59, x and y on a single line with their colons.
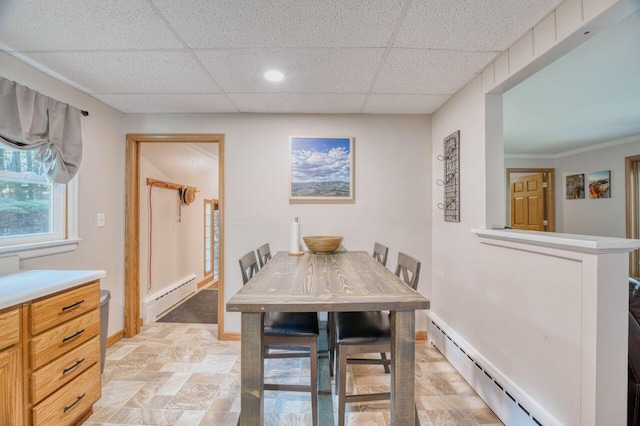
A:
x: 180, y: 374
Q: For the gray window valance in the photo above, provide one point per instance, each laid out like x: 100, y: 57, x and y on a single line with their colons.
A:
x: 32, y: 121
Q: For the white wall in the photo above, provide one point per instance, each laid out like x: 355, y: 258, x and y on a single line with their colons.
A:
x: 392, y: 184
x: 603, y: 217
x: 516, y: 308
x: 100, y: 186
x: 178, y: 246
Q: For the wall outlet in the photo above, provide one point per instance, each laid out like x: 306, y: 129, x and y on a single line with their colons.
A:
x: 101, y: 220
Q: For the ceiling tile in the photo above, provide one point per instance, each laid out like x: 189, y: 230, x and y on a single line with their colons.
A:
x: 283, y: 23
x: 404, y: 104
x: 436, y: 72
x: 305, y: 70
x: 150, y: 103
x: 298, y: 103
x: 82, y: 25
x: 489, y: 25
x: 129, y: 72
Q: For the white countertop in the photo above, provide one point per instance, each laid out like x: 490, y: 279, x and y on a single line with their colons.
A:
x: 27, y: 285
x: 572, y: 242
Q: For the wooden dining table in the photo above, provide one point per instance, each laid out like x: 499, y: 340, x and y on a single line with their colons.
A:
x: 341, y: 281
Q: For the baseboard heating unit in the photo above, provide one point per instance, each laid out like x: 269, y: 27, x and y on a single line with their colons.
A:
x: 512, y: 405
x: 156, y: 304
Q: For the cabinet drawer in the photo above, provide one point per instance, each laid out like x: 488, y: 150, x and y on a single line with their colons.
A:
x: 9, y: 328
x: 57, y: 341
x: 66, y: 406
x: 51, y: 311
x: 64, y: 369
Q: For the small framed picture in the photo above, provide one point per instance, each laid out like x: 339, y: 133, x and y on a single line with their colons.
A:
x: 575, y: 186
x: 321, y: 169
x: 600, y: 184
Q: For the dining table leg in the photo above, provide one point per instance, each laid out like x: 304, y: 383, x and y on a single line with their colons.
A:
x: 251, y: 370
x: 403, y: 357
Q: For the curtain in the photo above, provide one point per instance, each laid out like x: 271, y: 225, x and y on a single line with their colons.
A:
x: 32, y: 121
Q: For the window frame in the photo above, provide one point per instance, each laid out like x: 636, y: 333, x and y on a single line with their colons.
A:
x: 60, y: 241
x: 208, y: 272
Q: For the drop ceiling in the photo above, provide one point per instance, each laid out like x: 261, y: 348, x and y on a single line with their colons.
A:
x: 338, y: 56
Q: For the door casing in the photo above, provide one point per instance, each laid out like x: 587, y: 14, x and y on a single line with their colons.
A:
x: 132, y: 317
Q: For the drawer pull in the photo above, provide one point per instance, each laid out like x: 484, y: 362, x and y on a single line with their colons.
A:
x: 66, y: 308
x: 66, y: 370
x: 76, y: 334
x: 69, y: 407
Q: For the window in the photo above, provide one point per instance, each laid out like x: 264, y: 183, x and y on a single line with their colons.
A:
x: 32, y: 210
x: 211, y: 225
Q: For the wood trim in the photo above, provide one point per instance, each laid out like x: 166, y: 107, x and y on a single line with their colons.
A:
x: 421, y: 335
x: 221, y: 209
x: 205, y: 281
x: 631, y: 209
x: 168, y: 185
x: 131, y: 235
x: 132, y: 317
x: 231, y: 336
x: 114, y: 338
x: 550, y: 176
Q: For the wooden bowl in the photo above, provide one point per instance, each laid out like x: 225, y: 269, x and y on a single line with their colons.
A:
x: 322, y: 244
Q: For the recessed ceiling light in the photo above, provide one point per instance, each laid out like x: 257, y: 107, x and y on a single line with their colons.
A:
x: 273, y: 75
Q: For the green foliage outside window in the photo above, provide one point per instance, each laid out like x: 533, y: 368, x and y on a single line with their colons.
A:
x: 25, y: 197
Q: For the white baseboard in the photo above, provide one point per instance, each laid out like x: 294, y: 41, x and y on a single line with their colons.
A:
x: 510, y: 403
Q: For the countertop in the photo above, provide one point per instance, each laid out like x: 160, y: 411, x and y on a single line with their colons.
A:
x: 28, y: 285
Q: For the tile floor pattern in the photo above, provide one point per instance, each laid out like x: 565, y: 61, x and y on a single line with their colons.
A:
x: 180, y: 374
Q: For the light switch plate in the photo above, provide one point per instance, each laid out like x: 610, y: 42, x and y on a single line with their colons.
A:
x: 101, y: 220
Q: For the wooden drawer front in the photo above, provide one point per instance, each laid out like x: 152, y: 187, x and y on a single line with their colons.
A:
x: 54, y: 310
x: 64, y: 369
x: 63, y: 338
x: 9, y: 328
x: 66, y: 406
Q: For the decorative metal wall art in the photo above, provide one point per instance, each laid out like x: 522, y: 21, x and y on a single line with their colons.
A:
x: 451, y: 182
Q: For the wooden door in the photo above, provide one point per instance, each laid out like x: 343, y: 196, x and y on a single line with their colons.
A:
x: 527, y: 203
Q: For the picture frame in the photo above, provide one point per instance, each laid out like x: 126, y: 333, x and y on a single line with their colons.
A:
x: 574, y: 185
x: 600, y: 184
x: 321, y: 169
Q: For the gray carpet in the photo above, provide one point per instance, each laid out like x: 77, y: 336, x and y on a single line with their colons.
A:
x: 200, y: 309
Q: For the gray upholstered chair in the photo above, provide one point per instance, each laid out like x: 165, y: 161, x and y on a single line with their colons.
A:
x: 380, y: 253
x: 294, y: 332
x: 366, y: 332
x: 264, y: 254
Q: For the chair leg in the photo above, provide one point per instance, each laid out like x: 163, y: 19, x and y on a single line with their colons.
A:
x: 313, y: 359
x: 342, y: 392
x: 337, y: 372
x: 386, y: 367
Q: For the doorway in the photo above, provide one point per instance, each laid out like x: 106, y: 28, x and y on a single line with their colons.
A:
x: 632, y: 187
x: 132, y: 300
x: 530, y: 203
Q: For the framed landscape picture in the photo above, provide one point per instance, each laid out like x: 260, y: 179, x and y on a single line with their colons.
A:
x: 321, y: 168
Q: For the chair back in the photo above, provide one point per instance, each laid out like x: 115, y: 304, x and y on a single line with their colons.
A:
x: 380, y: 253
x: 248, y: 266
x: 264, y: 254
x: 408, y: 270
